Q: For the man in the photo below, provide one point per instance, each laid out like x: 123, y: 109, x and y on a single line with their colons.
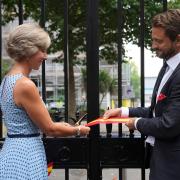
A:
x: 161, y: 121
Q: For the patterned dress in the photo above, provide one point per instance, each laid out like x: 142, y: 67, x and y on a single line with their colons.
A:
x: 21, y: 158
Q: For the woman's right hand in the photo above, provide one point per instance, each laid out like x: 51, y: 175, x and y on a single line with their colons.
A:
x: 83, y: 130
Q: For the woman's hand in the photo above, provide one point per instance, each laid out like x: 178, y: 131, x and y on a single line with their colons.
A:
x: 83, y: 130
x: 66, y: 124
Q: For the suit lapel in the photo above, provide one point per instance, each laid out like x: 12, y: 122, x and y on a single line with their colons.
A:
x: 153, y: 101
x: 156, y: 86
x: 171, y: 78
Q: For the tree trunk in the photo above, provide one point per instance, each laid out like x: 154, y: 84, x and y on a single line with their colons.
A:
x: 72, y: 95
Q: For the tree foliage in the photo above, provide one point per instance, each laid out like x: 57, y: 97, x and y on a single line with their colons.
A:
x: 135, y: 80
x: 106, y: 82
x: 108, y: 23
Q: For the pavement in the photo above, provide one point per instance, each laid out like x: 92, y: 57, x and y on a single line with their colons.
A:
x: 107, y: 174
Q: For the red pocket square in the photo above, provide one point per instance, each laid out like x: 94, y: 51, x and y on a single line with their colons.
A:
x: 161, y: 97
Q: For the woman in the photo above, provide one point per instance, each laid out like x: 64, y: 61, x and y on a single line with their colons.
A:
x: 22, y: 156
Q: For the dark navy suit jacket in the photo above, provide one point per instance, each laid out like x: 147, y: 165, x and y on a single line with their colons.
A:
x: 165, y: 127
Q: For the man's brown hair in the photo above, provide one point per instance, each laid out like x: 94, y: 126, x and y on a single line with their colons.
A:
x: 169, y: 21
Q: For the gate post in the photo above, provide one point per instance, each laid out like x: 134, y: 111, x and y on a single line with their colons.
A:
x: 94, y: 172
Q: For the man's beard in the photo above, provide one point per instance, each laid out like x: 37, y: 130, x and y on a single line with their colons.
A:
x: 166, y: 55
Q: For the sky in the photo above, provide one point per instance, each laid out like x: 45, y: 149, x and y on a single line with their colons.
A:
x: 152, y: 63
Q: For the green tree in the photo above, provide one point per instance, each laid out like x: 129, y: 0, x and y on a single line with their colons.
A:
x: 106, y: 83
x: 135, y: 79
x: 5, y: 66
x: 174, y: 4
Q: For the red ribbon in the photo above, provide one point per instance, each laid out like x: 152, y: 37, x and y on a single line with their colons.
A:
x: 108, y: 121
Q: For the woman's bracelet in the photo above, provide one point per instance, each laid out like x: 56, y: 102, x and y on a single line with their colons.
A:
x: 78, y: 131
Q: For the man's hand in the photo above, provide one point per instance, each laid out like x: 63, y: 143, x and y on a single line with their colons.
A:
x: 112, y: 113
x: 130, y: 124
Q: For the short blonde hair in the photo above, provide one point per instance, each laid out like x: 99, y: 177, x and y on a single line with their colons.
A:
x: 25, y: 40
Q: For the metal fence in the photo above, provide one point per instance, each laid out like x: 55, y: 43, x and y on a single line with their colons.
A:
x: 94, y: 152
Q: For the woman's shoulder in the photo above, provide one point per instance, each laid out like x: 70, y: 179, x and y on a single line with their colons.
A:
x: 25, y: 92
x: 25, y: 84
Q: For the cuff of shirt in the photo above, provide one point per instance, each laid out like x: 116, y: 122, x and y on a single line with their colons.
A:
x: 124, y: 112
x: 135, y: 122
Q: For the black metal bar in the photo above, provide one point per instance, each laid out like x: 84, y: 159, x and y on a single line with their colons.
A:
x: 66, y: 60
x: 165, y: 5
x: 1, y: 130
x: 141, y: 39
x: 142, y: 65
x: 92, y: 64
x: 20, y: 13
x: 66, y: 173
x: 42, y: 24
x: 93, y: 87
x: 120, y: 47
x: 143, y: 173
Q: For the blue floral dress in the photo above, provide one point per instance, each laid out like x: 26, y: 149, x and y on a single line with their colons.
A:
x: 21, y: 158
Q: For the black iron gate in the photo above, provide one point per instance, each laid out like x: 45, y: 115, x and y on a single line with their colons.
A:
x: 94, y: 152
